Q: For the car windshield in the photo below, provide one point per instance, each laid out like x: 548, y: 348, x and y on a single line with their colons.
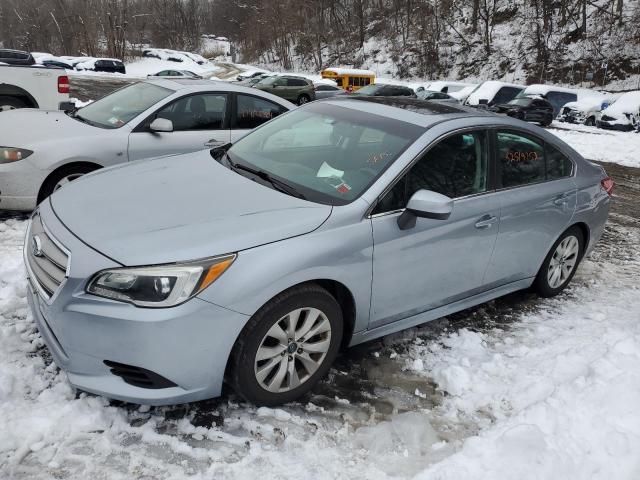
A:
x: 267, y: 80
x: 119, y: 108
x: 327, y: 153
x: 369, y: 90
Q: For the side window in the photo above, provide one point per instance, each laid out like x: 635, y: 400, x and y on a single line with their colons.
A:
x: 558, y: 165
x: 196, y: 112
x: 520, y: 159
x: 253, y: 111
x: 505, y: 94
x: 456, y: 167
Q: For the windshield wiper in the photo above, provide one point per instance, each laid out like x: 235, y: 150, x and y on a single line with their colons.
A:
x: 277, y: 184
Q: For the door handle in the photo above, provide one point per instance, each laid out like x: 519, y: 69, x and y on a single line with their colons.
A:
x: 485, y: 222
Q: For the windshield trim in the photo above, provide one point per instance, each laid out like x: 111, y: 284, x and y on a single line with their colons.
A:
x: 319, y: 197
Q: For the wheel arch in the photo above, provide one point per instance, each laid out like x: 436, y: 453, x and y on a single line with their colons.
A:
x: 586, y: 235
x: 64, y: 166
x: 15, y: 91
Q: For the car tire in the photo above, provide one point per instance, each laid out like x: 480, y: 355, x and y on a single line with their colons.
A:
x: 261, y: 364
x: 560, y: 264
x: 590, y: 122
x: 58, y: 178
x: 302, y: 99
x: 11, y: 103
x: 548, y: 120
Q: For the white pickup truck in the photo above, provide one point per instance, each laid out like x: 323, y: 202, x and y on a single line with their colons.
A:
x: 33, y: 86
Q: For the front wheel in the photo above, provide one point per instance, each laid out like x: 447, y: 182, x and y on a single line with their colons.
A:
x: 590, y: 122
x: 548, y: 120
x: 561, y: 263
x: 287, y: 346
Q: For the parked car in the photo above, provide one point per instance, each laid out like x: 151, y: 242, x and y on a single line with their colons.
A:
x: 298, y: 90
x: 434, y: 95
x: 175, y: 74
x: 154, y: 282
x: 445, y: 86
x: 250, y: 74
x: 491, y: 93
x: 623, y: 114
x: 16, y: 57
x: 143, y: 120
x: 386, y: 90
x: 556, y: 96
x: 584, y: 111
x: 325, y: 90
x: 528, y: 109
x: 32, y: 87
x: 56, y: 63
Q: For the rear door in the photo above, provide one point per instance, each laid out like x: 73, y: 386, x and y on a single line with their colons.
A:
x: 251, y: 111
x: 537, y: 195
x: 197, y: 119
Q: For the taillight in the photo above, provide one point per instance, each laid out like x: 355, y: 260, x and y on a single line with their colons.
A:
x: 608, y: 185
x: 63, y: 84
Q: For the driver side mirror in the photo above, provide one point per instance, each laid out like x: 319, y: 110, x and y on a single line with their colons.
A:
x: 425, y: 204
x: 161, y: 125
x: 218, y: 149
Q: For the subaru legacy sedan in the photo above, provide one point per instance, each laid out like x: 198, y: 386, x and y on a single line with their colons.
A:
x: 40, y: 151
x: 331, y: 225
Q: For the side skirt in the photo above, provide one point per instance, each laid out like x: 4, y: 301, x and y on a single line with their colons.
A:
x: 439, y: 312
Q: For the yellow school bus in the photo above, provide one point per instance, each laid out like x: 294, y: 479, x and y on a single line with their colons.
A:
x: 351, y: 79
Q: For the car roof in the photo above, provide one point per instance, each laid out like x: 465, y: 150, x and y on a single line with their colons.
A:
x: 193, y: 85
x: 423, y: 113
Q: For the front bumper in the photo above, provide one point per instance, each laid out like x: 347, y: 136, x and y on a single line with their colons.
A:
x: 189, y: 345
x: 622, y: 127
x: 19, y: 185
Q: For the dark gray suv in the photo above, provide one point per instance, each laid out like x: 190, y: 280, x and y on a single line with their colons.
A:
x: 295, y: 89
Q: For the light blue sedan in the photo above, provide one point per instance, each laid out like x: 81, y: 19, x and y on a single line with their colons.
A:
x: 331, y: 225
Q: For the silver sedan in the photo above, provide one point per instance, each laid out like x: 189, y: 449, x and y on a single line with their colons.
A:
x: 40, y: 151
x: 334, y: 224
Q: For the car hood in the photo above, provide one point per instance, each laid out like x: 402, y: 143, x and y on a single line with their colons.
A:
x: 179, y: 208
x: 28, y: 127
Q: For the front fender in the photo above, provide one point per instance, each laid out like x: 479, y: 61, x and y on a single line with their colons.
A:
x: 339, y: 253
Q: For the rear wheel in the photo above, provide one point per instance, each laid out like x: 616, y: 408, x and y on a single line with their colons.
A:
x: 590, y: 122
x: 561, y: 263
x: 287, y: 346
x: 302, y: 99
x: 11, y: 103
x: 548, y: 119
x: 60, y: 178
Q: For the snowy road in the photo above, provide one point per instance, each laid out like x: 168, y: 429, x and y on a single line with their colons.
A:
x: 518, y: 388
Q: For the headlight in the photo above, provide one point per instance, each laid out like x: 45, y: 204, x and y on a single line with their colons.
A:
x: 9, y: 154
x: 159, y: 286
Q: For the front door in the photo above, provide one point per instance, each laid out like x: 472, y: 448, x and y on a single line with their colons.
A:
x: 537, y: 200
x: 197, y: 119
x: 437, y: 261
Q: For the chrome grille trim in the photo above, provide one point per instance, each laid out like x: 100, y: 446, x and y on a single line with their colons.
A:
x: 49, y: 270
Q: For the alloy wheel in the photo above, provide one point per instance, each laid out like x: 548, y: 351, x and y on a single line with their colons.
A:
x: 563, y: 261
x: 292, y: 350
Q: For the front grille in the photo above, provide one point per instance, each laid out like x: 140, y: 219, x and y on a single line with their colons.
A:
x: 137, y: 376
x: 46, y: 259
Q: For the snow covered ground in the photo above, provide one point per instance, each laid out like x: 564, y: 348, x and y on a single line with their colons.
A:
x: 595, y: 143
x: 520, y: 388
